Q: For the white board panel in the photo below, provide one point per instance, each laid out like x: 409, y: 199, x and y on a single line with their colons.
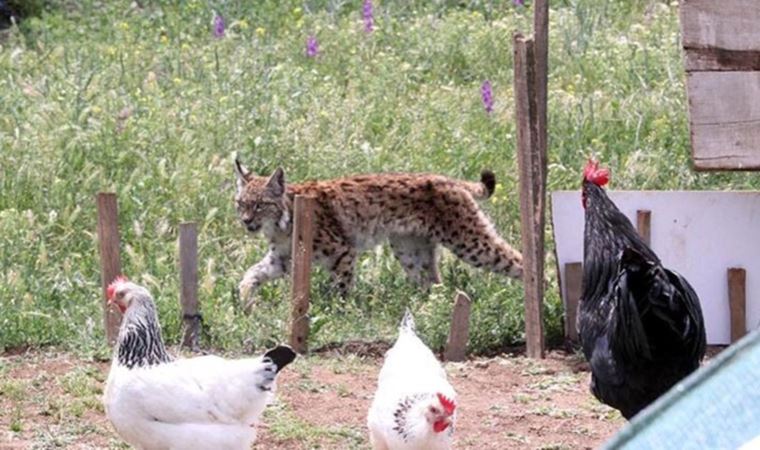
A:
x: 698, y: 233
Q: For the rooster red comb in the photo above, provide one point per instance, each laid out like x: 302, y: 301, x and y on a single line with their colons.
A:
x: 121, y: 279
x: 594, y: 174
x: 448, y: 404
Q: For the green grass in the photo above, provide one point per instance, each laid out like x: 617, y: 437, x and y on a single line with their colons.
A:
x: 100, y: 96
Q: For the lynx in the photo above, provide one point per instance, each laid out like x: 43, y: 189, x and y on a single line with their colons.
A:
x: 414, y: 212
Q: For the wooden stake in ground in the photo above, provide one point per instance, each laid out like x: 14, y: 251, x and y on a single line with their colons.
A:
x: 303, y: 235
x: 532, y: 193
x: 110, y: 260
x: 456, y: 347
x: 644, y: 225
x: 573, y: 292
x: 188, y: 279
x: 737, y: 301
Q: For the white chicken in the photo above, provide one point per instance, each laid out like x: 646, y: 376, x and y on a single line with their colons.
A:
x: 414, y: 405
x: 155, y: 402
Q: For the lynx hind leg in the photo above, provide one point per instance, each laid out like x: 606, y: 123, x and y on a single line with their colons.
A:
x: 476, y: 242
x: 419, y: 258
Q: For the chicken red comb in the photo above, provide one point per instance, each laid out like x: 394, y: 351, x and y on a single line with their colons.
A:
x: 594, y: 174
x: 111, y: 289
x: 448, y: 404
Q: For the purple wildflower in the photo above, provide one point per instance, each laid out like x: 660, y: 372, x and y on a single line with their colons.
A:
x: 218, y: 26
x: 487, y: 95
x: 369, y: 18
x: 312, y: 46
x: 518, y: 2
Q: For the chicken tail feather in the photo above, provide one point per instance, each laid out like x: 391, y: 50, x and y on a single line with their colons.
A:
x: 407, y: 323
x: 281, y: 356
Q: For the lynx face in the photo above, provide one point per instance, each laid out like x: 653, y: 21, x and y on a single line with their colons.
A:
x: 261, y: 203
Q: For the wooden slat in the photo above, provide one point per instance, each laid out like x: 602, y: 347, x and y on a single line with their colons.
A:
x: 573, y: 283
x: 456, y: 346
x: 737, y: 300
x: 715, y: 59
x: 724, y: 116
x: 303, y: 235
x: 188, y: 279
x: 110, y: 260
x: 725, y: 24
x: 644, y: 225
x: 531, y: 200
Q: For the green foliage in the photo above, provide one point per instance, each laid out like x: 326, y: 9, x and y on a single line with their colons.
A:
x: 145, y: 102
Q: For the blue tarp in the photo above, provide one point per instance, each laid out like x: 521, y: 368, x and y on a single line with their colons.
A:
x: 715, y: 408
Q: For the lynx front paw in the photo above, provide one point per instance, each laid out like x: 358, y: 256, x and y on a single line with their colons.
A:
x: 247, y: 290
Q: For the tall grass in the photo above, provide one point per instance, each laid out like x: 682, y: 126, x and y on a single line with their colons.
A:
x: 144, y: 101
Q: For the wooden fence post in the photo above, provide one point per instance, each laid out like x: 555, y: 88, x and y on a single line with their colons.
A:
x: 532, y: 193
x: 303, y: 235
x: 573, y: 292
x: 110, y: 261
x: 188, y: 279
x: 644, y: 225
x: 737, y: 298
x: 456, y: 346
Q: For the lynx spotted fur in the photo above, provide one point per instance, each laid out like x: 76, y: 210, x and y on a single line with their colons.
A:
x: 414, y: 212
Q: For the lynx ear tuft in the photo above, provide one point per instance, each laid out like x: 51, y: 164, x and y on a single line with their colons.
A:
x: 276, y: 183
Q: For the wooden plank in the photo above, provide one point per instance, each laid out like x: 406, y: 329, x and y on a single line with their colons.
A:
x: 717, y: 59
x: 728, y: 24
x: 724, y: 118
x: 573, y: 291
x: 303, y: 235
x: 737, y: 300
x: 188, y: 280
x: 644, y: 225
x: 110, y: 259
x: 724, y: 97
x: 531, y: 204
x: 456, y: 346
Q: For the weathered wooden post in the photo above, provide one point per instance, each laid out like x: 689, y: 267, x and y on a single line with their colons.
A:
x: 644, y: 225
x: 303, y: 235
x: 737, y: 302
x: 573, y: 292
x: 456, y: 346
x: 110, y: 261
x: 532, y: 195
x: 188, y: 279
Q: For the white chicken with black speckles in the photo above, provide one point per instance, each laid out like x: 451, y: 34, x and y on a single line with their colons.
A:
x: 155, y: 402
x: 414, y: 406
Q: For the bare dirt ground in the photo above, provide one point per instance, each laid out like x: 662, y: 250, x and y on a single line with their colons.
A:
x: 52, y: 400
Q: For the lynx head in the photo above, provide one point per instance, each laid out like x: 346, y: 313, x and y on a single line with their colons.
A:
x: 261, y: 201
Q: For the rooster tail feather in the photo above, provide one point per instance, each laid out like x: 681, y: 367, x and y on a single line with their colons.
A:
x: 630, y: 337
x: 281, y: 356
x: 407, y: 323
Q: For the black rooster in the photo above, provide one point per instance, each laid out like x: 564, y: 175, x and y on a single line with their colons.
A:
x: 640, y: 324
